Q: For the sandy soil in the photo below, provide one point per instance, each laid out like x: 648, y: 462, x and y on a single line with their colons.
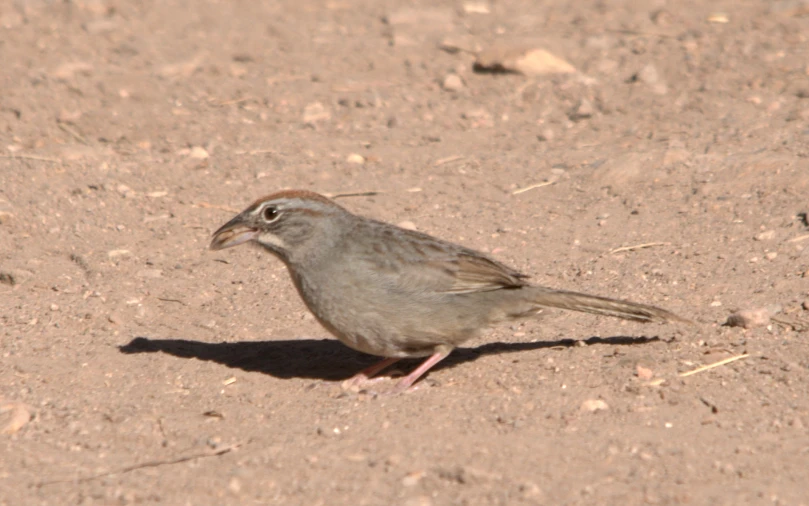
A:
x: 137, y: 367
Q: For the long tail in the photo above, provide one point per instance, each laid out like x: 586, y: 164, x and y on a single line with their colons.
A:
x: 574, y: 301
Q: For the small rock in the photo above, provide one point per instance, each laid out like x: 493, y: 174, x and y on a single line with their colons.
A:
x: 805, y: 305
x: 124, y: 190
x: 198, y: 153
x: 644, y: 373
x: 530, y: 490
x: 5, y: 217
x: 413, y: 478
x: 356, y: 159
x: 452, y: 83
x: 772, y: 255
x: 476, y: 8
x: 315, y: 112
x: 584, y: 110
x: 235, y: 485
x: 545, y: 135
x: 238, y: 70
x: 718, y: 17
x: 479, y: 117
x: 662, y: 18
x: 15, y: 276
x: 765, y: 236
x: 118, y: 253
x: 750, y: 318
x: 592, y: 405
x: 19, y: 416
x: 649, y: 76
x: 521, y: 60
x: 407, y: 225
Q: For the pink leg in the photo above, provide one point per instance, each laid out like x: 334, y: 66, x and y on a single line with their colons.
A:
x: 425, y: 366
x: 363, y: 378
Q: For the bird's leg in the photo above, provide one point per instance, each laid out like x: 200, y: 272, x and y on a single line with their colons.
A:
x: 419, y: 371
x: 363, y: 378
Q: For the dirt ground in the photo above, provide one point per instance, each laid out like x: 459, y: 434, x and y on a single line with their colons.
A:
x: 140, y: 368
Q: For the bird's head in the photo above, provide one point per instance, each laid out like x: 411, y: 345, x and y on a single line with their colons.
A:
x: 283, y: 222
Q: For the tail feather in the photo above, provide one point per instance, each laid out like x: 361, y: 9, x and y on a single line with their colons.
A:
x: 603, y: 306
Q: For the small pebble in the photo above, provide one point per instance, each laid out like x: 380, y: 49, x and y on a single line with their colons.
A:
x: 356, y: 159
x: 452, y: 83
x: 315, y: 112
x: 198, y: 153
x: 750, y: 318
x: 545, y: 135
x: 413, y: 478
x: 585, y: 109
x: 644, y: 373
x: 593, y: 405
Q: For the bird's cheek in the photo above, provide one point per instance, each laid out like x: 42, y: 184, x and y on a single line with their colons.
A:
x: 272, y: 241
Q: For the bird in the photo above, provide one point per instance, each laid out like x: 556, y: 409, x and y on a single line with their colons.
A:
x: 393, y: 292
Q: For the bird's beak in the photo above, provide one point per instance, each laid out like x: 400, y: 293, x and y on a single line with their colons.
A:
x: 232, y: 233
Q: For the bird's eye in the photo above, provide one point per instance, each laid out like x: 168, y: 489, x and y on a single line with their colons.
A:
x: 270, y: 213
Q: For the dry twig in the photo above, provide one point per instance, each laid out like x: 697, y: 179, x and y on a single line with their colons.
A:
x: 448, y: 159
x: 356, y: 194
x: 638, y: 246
x: 149, y: 463
x: 33, y: 157
x: 532, y: 187
x: 715, y: 364
x: 799, y: 238
x: 76, y: 135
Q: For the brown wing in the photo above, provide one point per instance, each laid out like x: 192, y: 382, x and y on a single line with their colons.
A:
x: 412, y: 262
x: 472, y: 273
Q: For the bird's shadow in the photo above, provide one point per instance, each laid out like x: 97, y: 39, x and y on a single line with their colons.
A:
x: 328, y: 359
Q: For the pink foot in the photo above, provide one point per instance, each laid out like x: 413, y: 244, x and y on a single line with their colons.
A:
x: 365, y: 377
x: 405, y: 383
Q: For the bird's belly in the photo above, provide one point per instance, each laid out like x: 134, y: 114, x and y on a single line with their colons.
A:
x: 371, y: 319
